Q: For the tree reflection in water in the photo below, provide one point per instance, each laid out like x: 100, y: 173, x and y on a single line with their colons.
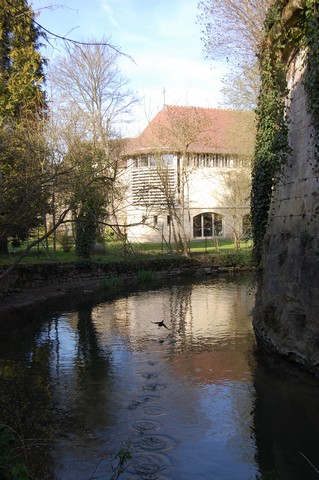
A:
x: 194, y: 401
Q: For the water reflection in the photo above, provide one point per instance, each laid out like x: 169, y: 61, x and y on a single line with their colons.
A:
x: 286, y: 420
x: 190, y: 401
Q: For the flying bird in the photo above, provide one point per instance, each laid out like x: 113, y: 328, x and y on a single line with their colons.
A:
x: 161, y: 324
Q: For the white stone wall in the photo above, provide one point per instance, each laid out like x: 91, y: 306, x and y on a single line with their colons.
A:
x: 205, y: 191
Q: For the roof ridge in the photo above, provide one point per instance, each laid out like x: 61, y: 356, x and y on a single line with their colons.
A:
x: 203, y: 108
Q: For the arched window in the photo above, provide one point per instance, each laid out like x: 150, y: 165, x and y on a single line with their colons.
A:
x: 208, y: 225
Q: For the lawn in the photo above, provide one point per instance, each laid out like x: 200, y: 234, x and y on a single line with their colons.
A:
x: 117, y: 251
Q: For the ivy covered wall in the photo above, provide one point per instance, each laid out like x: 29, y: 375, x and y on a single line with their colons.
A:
x: 285, y: 196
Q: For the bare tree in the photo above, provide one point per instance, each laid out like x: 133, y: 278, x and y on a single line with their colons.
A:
x: 184, y: 128
x: 91, y: 99
x: 172, y: 134
x: 241, y: 86
x: 233, y: 30
x: 236, y: 181
x: 91, y: 87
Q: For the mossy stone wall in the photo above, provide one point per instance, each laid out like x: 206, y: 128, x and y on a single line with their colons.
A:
x: 287, y: 303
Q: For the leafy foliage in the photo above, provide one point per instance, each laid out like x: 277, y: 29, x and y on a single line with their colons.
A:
x: 271, y: 146
x: 145, y: 276
x: 312, y: 72
x: 24, y: 201
x: 85, y: 233
x: 22, y: 111
x: 122, y: 457
x: 11, y: 467
x: 88, y: 193
x: 21, y: 64
x: 283, y: 36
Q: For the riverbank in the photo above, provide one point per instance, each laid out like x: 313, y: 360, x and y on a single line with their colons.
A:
x: 30, y: 285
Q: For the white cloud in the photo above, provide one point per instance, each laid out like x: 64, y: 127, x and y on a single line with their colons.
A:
x: 159, y: 70
x: 105, y: 6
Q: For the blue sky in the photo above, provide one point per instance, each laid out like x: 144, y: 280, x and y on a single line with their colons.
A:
x: 161, y: 35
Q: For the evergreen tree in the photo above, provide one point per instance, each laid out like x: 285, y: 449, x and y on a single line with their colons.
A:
x: 21, y: 64
x: 22, y: 113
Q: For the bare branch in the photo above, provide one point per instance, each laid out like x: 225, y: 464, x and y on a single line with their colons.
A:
x: 25, y: 252
x: 66, y: 38
x: 233, y: 30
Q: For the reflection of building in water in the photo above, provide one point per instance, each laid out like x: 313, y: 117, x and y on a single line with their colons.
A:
x: 199, y: 315
x: 99, y: 357
x: 215, y: 366
x: 133, y: 316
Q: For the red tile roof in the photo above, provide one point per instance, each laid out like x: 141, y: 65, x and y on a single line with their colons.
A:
x: 198, y: 130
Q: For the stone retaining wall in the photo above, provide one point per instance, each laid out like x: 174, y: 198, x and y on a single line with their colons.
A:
x: 38, y: 275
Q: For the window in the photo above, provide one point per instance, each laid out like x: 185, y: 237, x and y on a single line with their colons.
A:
x: 207, y: 225
x: 169, y: 219
x: 144, y: 162
x: 214, y: 160
x: 168, y: 160
x: 197, y: 226
x: 155, y: 219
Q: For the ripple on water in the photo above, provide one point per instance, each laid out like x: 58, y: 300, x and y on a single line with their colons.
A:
x: 153, y: 410
x: 149, y: 398
x: 154, y: 386
x: 142, y: 400
x: 151, y: 476
x: 150, y: 375
x: 156, y: 443
x: 148, y: 465
x: 145, y: 426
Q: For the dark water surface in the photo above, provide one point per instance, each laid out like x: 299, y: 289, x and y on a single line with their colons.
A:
x: 193, y: 401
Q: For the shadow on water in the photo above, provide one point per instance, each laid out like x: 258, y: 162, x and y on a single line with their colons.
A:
x: 286, y: 420
x: 83, y: 379
x: 39, y: 401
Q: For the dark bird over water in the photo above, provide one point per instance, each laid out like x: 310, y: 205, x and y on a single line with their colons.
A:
x: 161, y: 324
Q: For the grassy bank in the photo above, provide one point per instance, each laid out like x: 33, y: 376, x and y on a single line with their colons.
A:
x: 222, y: 252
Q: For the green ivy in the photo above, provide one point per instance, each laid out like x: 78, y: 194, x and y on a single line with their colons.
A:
x: 312, y: 72
x: 272, y: 147
x: 271, y: 141
x: 86, y: 228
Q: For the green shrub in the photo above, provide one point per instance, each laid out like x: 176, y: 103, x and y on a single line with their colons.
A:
x: 237, y: 259
x: 145, y: 275
x: 65, y: 240
x: 111, y: 282
x: 11, y: 467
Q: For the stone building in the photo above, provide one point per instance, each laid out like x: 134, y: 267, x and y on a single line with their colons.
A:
x: 189, y: 175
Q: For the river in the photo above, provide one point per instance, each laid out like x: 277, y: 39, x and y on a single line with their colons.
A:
x: 192, y: 397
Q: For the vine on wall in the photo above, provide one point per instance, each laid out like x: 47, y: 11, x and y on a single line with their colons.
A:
x: 271, y: 143
x: 284, y: 36
x: 312, y: 72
